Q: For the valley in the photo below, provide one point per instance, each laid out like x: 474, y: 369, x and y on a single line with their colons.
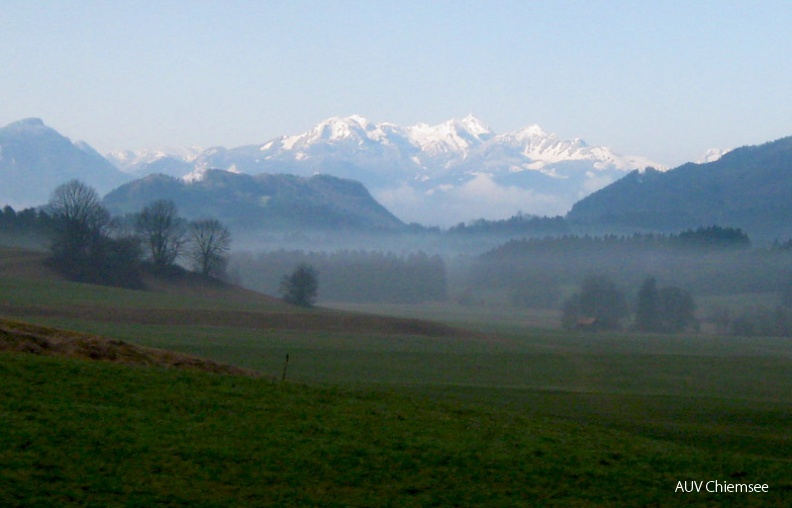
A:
x: 475, y: 407
x: 442, y: 366
x: 395, y: 254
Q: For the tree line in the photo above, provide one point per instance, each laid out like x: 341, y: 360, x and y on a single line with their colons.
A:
x: 29, y: 226
x: 602, y: 305
x: 350, y: 276
x: 708, y: 260
x: 765, y: 320
x: 702, y: 238
x: 88, y: 245
x: 520, y: 224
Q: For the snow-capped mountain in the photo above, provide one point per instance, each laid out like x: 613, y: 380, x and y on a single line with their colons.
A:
x: 437, y: 148
x: 712, y: 155
x: 168, y: 161
x: 432, y: 174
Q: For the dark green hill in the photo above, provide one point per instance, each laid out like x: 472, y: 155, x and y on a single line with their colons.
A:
x: 264, y: 201
x: 749, y: 188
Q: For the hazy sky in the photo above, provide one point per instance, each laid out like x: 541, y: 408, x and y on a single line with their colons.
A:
x: 663, y: 79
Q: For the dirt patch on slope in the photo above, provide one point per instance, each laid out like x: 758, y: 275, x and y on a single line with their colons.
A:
x: 40, y: 340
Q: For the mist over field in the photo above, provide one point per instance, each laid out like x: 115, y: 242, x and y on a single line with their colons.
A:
x: 719, y: 267
x: 395, y: 254
x: 627, y: 349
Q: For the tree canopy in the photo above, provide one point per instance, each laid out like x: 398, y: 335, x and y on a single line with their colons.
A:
x: 599, y: 299
x: 665, y: 310
x: 301, y: 286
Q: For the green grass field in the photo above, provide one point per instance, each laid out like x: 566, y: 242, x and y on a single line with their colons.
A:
x: 379, y: 411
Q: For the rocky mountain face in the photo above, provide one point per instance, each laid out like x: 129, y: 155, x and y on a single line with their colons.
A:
x: 34, y: 159
x: 432, y: 174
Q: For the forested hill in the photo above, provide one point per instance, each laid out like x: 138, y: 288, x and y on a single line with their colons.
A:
x: 749, y: 188
x: 261, y: 201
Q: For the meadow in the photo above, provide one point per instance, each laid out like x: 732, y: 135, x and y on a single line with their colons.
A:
x: 474, y: 408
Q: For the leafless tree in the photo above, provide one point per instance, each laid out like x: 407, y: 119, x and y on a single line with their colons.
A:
x: 162, y: 232
x: 80, y: 219
x: 210, y: 242
x: 82, y: 245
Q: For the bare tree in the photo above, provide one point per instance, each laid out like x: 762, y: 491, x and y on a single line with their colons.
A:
x: 82, y: 245
x: 76, y: 201
x: 79, y: 218
x: 210, y: 242
x: 161, y: 231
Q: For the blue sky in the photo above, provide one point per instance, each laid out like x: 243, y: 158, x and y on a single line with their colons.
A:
x: 662, y: 79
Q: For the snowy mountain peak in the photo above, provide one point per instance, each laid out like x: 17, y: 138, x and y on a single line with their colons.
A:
x: 354, y: 129
x: 531, y: 131
x: 340, y: 128
x: 450, y: 137
x: 128, y: 160
x: 712, y: 155
x: 443, y: 173
x: 475, y: 126
x: 358, y: 120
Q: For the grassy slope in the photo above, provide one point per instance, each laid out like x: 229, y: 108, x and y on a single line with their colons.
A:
x: 680, y: 408
x: 80, y: 433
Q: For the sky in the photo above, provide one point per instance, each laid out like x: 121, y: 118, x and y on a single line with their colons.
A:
x: 662, y: 79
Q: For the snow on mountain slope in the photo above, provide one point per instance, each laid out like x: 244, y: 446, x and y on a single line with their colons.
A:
x: 141, y: 162
x: 712, y: 155
x: 433, y: 174
x: 450, y: 139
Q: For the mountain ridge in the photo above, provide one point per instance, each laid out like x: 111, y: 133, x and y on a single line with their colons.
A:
x: 445, y: 173
x: 748, y: 187
x: 34, y: 159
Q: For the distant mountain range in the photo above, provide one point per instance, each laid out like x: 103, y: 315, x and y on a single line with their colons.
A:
x: 442, y: 174
x: 34, y: 159
x: 749, y: 187
x: 263, y: 202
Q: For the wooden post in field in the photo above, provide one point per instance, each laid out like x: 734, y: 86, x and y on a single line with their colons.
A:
x: 285, y: 366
